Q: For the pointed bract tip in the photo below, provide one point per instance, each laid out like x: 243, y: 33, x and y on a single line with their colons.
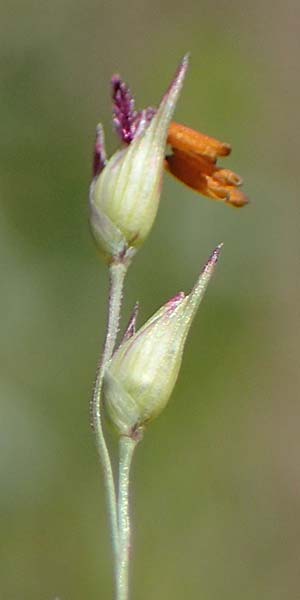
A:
x: 99, y: 160
x: 179, y: 76
x: 214, y: 257
x: 183, y: 65
x: 131, y: 327
x: 186, y: 58
x: 135, y: 313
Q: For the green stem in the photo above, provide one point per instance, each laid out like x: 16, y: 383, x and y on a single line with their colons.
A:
x: 127, y: 446
x: 117, y: 274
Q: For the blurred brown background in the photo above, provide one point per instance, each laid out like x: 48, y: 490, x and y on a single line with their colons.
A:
x: 216, y: 483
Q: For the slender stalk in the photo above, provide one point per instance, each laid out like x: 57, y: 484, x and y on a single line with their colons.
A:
x: 117, y: 274
x: 126, y: 448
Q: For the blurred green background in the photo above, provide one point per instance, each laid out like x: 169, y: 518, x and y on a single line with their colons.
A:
x: 216, y: 485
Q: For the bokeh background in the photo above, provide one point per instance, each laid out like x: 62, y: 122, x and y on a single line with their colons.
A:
x: 216, y: 481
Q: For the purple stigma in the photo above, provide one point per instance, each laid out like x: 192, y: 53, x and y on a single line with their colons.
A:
x: 127, y: 121
x: 124, y: 114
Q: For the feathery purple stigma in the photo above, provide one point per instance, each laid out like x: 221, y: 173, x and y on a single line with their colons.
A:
x: 124, y: 114
x: 99, y: 152
x: 127, y: 121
